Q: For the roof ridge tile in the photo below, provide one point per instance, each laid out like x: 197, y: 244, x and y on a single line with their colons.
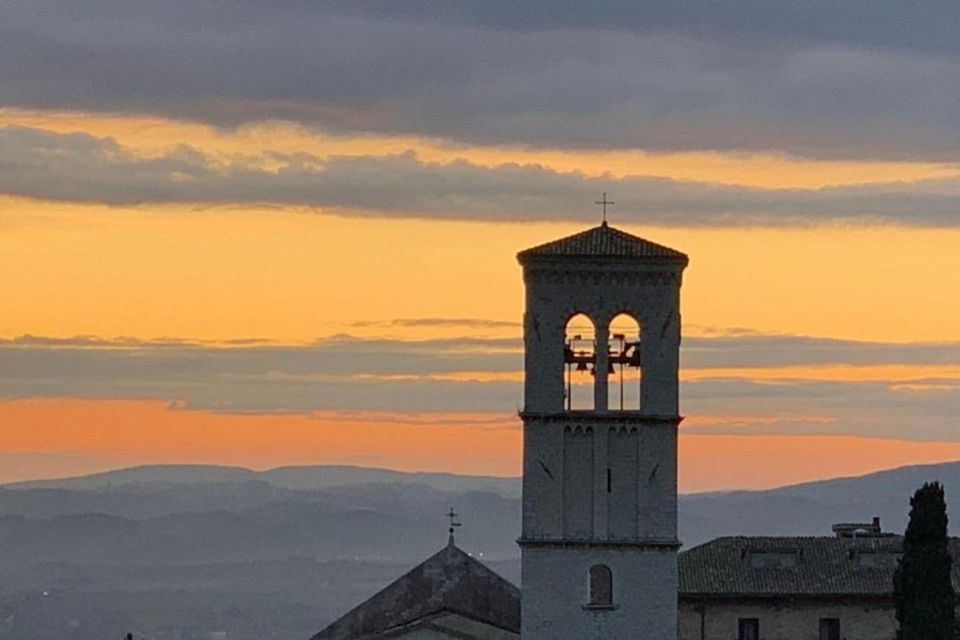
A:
x: 602, y: 241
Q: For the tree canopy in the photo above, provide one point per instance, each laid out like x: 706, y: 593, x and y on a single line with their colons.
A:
x: 923, y: 591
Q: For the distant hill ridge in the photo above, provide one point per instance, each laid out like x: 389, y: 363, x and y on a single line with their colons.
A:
x: 311, y: 477
x: 344, y: 492
x: 888, y: 482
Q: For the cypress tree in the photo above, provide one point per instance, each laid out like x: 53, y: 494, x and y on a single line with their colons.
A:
x: 922, y: 588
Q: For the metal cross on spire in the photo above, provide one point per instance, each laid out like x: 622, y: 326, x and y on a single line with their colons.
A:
x: 453, y: 522
x: 603, y: 201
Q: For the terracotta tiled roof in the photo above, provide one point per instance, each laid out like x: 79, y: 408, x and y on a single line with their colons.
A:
x: 451, y: 581
x: 602, y: 241
x: 821, y: 566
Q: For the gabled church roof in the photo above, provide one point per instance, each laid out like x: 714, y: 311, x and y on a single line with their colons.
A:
x: 602, y: 241
x: 451, y: 581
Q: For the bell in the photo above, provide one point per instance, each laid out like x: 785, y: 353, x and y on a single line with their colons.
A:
x: 581, y: 366
x: 610, y: 369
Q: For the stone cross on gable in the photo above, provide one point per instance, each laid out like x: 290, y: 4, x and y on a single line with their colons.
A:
x: 603, y: 201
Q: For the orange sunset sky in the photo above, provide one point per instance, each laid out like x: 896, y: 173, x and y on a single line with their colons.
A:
x: 273, y: 276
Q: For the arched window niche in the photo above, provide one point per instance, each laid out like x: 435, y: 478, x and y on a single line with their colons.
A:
x: 579, y: 358
x: 601, y: 587
x: 625, y: 372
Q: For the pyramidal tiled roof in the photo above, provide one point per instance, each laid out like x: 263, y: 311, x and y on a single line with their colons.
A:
x: 602, y: 241
x: 449, y: 581
x: 820, y: 566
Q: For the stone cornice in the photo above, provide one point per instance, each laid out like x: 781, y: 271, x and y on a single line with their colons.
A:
x: 661, y: 544
x: 602, y: 417
x: 610, y: 273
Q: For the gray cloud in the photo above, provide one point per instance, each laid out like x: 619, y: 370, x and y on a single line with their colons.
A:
x: 467, y: 323
x: 340, y: 372
x: 918, y: 410
x: 349, y: 373
x: 28, y: 340
x: 79, y: 167
x: 875, y: 23
x: 760, y: 350
x: 857, y: 79
x: 339, y: 356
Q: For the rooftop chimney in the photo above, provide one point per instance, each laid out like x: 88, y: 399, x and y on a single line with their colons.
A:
x: 858, y: 529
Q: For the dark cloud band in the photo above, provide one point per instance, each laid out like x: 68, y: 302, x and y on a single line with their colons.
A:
x: 858, y: 79
x: 81, y: 168
x: 458, y: 374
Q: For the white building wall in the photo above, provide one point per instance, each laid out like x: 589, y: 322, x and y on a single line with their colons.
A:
x: 623, y: 484
x: 578, y: 474
x: 543, y: 480
x: 791, y: 620
x: 657, y: 477
x: 565, y: 489
x: 644, y: 595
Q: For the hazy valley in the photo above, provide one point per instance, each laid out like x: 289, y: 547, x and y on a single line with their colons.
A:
x: 184, y: 551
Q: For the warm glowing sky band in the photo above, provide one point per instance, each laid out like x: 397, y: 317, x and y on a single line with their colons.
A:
x: 235, y: 275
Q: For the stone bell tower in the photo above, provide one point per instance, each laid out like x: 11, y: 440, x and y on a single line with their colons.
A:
x: 599, y: 535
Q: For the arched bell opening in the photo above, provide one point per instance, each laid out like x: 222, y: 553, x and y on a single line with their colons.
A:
x: 625, y: 370
x: 579, y: 359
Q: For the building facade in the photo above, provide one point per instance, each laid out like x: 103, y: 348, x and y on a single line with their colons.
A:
x: 599, y: 530
x: 794, y: 588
